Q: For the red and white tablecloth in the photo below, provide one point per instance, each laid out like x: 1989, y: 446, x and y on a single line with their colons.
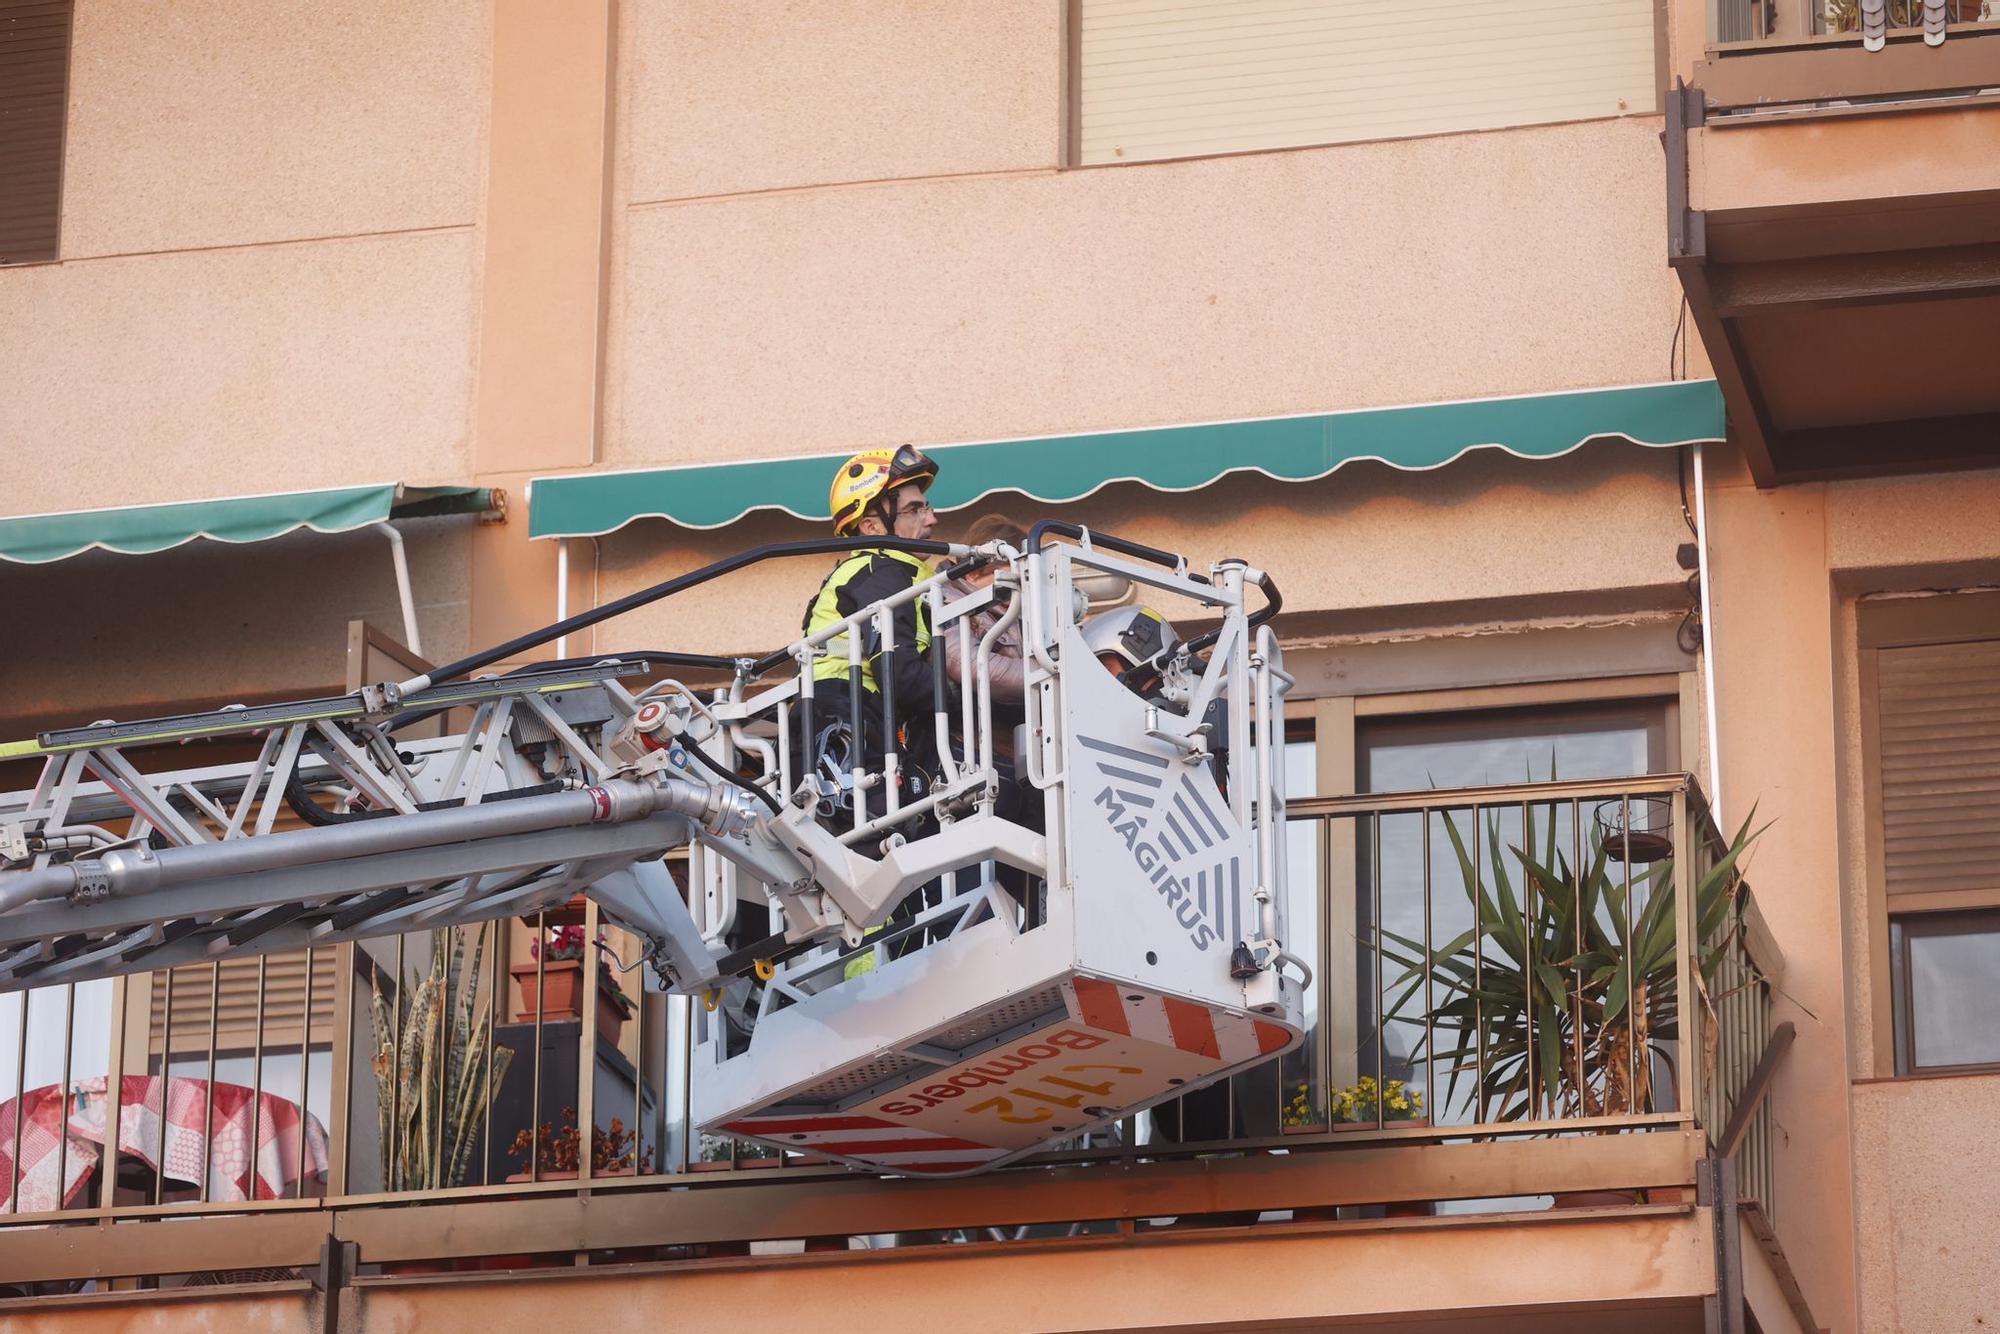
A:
x: 226, y: 1143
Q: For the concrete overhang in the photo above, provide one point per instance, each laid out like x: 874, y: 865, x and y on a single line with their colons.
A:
x: 1834, y: 216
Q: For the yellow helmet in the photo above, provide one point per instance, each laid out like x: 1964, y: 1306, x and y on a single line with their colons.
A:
x: 871, y: 474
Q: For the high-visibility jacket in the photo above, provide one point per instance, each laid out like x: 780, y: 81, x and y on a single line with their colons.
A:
x: 869, y: 576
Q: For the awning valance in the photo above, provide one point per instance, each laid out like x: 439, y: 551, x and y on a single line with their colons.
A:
x: 1166, y: 458
x: 34, y: 539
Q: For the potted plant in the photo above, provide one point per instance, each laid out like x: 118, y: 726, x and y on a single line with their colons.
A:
x: 552, y: 984
x: 1365, y: 1105
x: 1567, y: 969
x: 1301, y: 1114
x: 432, y: 1077
x: 555, y: 1154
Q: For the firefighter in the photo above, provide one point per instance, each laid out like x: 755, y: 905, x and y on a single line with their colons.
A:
x: 877, y: 493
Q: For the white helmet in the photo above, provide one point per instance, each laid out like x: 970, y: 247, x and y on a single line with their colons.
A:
x: 1135, y: 635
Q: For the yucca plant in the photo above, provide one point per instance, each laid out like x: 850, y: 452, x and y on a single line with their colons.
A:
x: 431, y: 1055
x: 1567, y: 968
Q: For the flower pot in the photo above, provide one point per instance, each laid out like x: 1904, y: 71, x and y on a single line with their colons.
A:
x: 1394, y: 1123
x: 561, y: 982
x: 569, y: 913
x: 1305, y: 1128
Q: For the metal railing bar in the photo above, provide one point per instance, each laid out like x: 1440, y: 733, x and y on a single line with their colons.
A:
x: 208, y: 1087
x: 390, y: 1162
x: 20, y: 1104
x: 1499, y: 795
x: 62, y: 1099
x: 1632, y: 1055
x: 257, y: 1076
x: 166, y: 1082
x: 535, y: 1087
x: 1577, y: 873
x: 494, y: 998
x: 305, y: 1070
x: 1478, y: 968
x: 1531, y: 957
x: 586, y: 1064
x: 114, y: 1087
x: 1430, y: 972
x: 1381, y: 991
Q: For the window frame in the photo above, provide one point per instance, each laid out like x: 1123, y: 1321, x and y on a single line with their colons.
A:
x: 1960, y: 617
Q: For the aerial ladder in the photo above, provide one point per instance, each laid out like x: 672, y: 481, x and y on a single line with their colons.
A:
x: 1117, y: 942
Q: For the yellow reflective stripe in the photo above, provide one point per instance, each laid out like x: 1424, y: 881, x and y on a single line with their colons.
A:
x: 14, y: 750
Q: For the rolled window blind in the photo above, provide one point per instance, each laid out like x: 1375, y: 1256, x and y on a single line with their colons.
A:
x: 1178, y: 78
x: 1938, y: 712
x: 34, y: 99
x: 236, y: 1002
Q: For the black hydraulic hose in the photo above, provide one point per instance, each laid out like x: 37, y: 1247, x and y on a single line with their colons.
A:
x: 299, y: 798
x: 1105, y: 540
x: 451, y: 671
x: 722, y: 771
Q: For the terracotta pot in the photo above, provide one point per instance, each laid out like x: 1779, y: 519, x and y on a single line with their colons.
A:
x: 552, y: 1175
x: 1402, y: 1123
x: 563, y: 914
x: 561, y: 982
x: 562, y: 997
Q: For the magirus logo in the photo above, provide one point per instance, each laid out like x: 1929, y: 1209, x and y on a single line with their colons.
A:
x: 1176, y: 839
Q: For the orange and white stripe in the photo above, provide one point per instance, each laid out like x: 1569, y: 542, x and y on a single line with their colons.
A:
x: 870, y: 1140
x: 1168, y: 1021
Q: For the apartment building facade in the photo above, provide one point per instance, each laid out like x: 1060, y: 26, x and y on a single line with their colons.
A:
x: 1606, y: 386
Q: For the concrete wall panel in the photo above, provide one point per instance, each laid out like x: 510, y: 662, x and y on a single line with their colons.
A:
x: 727, y: 98
x: 239, y: 121
x: 978, y: 308
x: 227, y: 372
x: 1926, y: 1172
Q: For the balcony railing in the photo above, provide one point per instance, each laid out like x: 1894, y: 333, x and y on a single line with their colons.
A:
x: 1559, y: 960
x: 1784, y: 22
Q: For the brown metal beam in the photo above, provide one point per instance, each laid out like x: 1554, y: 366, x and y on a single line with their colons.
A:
x: 684, y: 1212
x: 1755, y: 1090
x: 1856, y: 280
x: 1878, y: 449
x: 1824, y: 71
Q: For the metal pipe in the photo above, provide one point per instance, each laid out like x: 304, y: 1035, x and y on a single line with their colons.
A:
x: 562, y: 594
x: 404, y: 596
x: 140, y: 869
x: 1707, y: 638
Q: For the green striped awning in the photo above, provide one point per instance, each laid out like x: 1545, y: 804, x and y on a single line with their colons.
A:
x: 1166, y: 458
x: 34, y: 539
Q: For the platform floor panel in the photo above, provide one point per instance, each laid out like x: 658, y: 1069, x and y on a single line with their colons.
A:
x: 1116, y: 1049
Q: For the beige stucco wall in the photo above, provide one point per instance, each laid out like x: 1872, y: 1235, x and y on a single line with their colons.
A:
x: 225, y: 372
x: 979, y: 307
x: 1926, y: 1172
x: 727, y: 98
x: 269, y: 270
x: 243, y: 121
x: 835, y: 231
x: 1485, y: 529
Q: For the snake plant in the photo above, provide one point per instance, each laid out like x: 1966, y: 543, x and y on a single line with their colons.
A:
x: 432, y: 1051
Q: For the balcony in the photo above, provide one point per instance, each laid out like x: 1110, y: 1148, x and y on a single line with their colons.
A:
x: 1542, y: 1028
x: 1831, y: 214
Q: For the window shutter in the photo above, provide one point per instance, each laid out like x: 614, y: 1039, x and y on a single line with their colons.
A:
x: 1938, y: 710
x: 1178, y: 78
x: 34, y: 99
x: 236, y: 1005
